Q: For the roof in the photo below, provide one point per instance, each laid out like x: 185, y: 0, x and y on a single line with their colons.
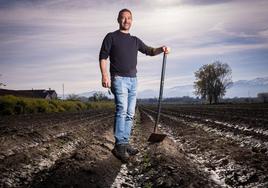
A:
x: 40, y: 93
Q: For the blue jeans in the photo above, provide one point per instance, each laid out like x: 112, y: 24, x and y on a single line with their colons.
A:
x: 124, y: 90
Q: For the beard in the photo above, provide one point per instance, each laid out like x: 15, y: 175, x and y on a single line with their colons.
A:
x: 125, y: 26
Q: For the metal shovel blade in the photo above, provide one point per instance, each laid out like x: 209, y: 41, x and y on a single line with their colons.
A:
x: 154, y: 137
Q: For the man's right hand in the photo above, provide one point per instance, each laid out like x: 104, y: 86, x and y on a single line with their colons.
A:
x: 106, y: 82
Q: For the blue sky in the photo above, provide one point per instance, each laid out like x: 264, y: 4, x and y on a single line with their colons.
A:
x: 45, y: 43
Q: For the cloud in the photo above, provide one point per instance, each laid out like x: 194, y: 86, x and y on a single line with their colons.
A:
x: 50, y: 42
x: 106, y: 4
x: 204, y: 2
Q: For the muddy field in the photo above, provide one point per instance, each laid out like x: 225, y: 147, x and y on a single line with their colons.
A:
x: 215, y: 146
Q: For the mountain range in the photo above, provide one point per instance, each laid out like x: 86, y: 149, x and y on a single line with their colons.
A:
x: 240, y: 88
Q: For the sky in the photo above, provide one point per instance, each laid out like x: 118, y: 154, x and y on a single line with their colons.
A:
x: 47, y: 43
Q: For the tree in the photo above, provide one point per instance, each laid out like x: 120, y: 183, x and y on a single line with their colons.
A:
x: 212, y: 80
x: 73, y: 97
x: 98, y: 96
x: 1, y: 84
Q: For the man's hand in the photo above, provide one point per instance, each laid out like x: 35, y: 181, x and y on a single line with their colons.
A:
x: 166, y: 49
x: 106, y: 81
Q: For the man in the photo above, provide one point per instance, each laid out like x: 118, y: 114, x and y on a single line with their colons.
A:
x: 122, y: 49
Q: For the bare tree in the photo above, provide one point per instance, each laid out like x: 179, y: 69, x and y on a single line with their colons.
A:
x: 98, y: 96
x: 1, y: 84
x: 73, y: 97
x: 212, y: 80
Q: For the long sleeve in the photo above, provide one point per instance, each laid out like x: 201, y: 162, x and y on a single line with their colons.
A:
x: 143, y: 48
x: 106, y: 47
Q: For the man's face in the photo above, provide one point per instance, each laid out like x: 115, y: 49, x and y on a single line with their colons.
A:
x: 125, y: 21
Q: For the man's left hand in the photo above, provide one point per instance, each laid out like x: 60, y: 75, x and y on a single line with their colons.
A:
x: 166, y: 49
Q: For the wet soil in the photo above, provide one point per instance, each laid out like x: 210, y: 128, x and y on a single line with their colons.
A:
x: 74, y: 150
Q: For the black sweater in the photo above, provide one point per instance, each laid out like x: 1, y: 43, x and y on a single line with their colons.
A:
x: 123, y: 49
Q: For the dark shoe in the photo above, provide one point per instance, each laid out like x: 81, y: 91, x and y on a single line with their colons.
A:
x: 120, y: 151
x: 131, y: 151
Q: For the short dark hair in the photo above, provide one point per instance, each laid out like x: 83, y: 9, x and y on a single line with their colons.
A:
x: 123, y: 10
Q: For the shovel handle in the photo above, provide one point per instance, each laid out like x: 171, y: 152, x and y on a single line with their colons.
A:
x: 161, y: 91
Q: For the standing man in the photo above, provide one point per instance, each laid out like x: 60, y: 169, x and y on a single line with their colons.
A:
x: 122, y: 49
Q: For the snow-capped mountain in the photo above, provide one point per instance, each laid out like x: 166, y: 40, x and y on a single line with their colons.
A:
x: 248, y: 88
x: 240, y: 88
x: 254, y: 82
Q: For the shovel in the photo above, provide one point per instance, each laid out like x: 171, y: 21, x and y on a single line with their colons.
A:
x: 155, y: 137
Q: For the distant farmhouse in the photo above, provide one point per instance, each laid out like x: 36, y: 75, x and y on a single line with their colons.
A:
x: 263, y: 97
x: 40, y: 93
